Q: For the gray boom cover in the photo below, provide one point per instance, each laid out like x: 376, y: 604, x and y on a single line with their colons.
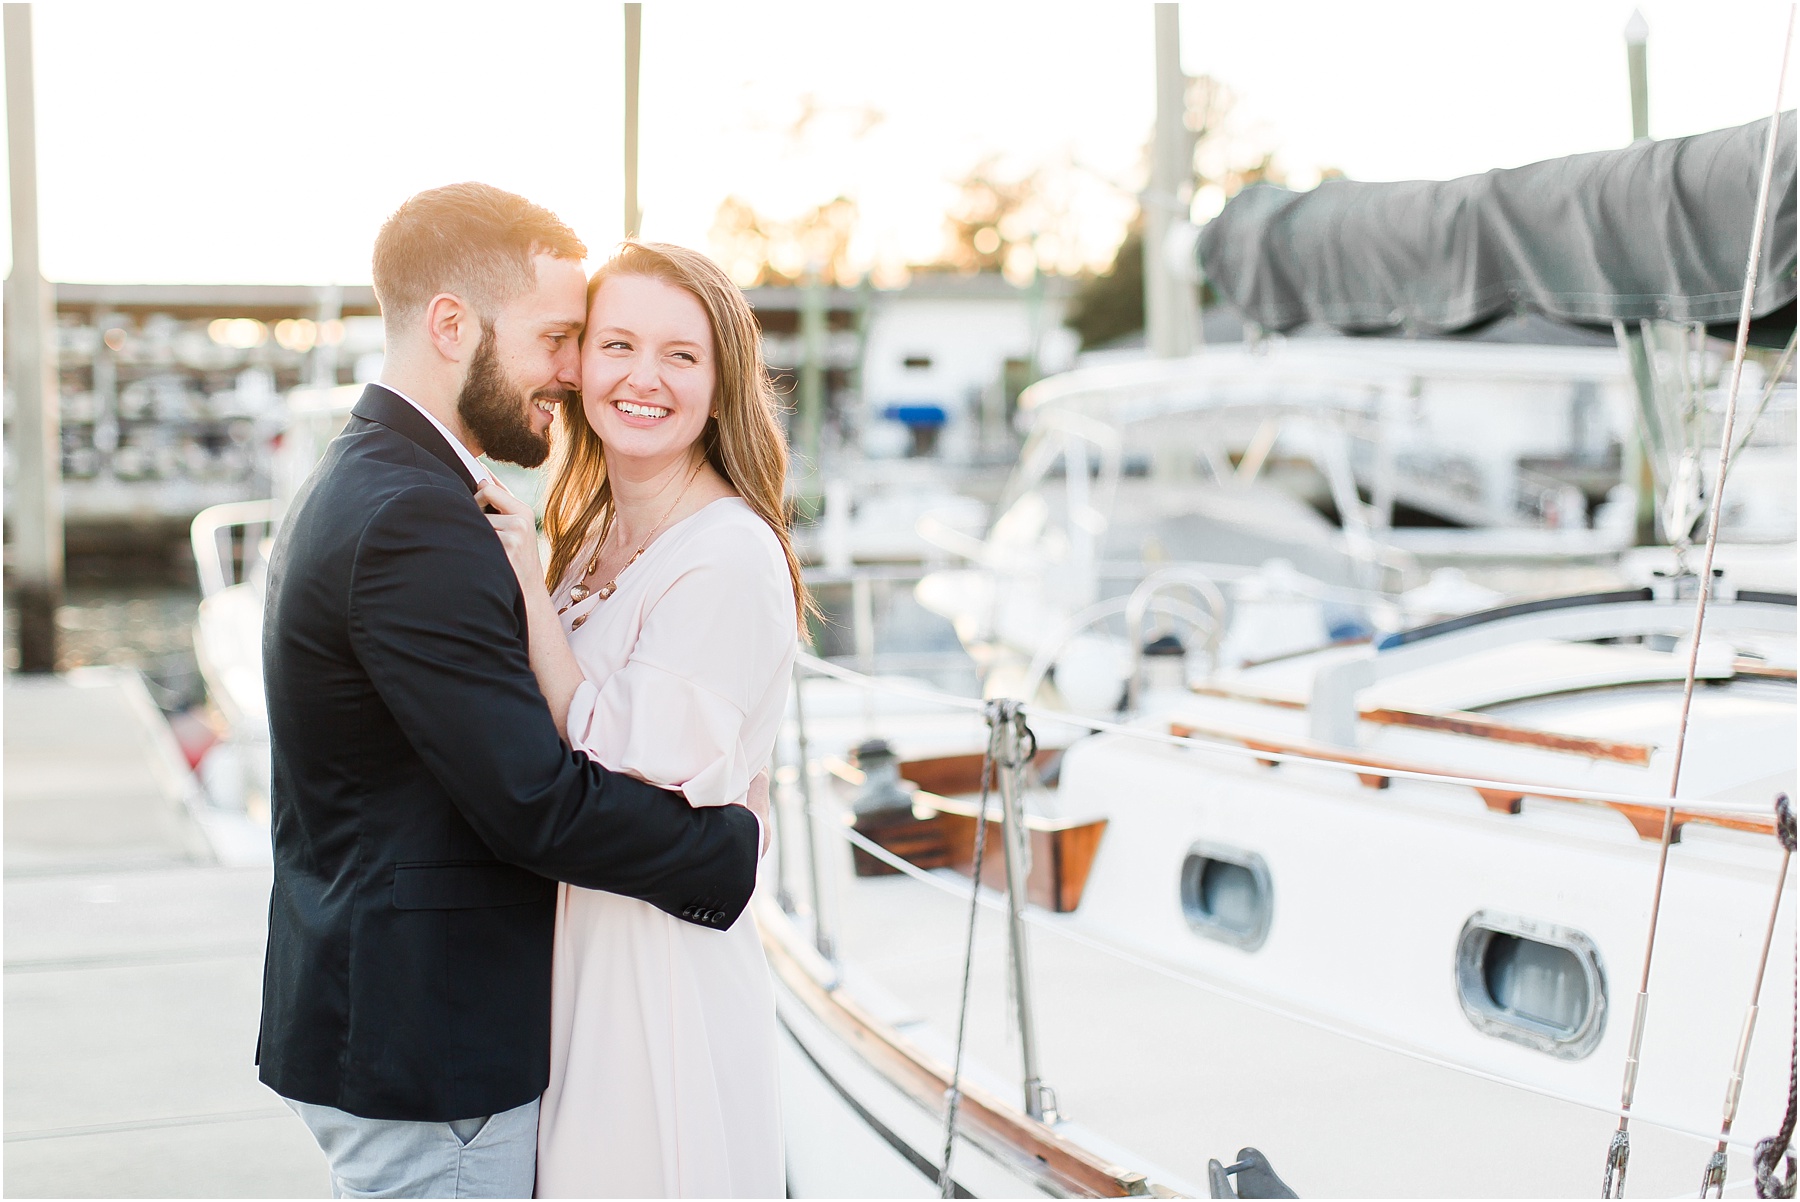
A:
x: 1658, y: 229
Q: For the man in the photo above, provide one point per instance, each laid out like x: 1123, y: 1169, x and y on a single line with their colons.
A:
x: 422, y: 800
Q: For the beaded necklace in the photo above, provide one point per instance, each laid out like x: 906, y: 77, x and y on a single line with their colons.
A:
x: 581, y: 592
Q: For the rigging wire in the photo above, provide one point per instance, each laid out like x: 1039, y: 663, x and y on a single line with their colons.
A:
x: 998, y: 718
x: 1618, y: 1153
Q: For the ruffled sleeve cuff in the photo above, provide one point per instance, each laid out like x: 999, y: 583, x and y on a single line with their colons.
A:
x: 662, y: 728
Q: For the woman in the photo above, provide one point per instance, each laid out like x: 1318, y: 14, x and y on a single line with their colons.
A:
x: 664, y: 630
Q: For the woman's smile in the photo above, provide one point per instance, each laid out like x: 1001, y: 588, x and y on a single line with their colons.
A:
x: 650, y: 413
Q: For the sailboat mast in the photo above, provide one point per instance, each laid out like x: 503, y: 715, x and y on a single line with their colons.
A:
x: 1170, y: 306
x: 1637, y: 38
x: 634, y: 29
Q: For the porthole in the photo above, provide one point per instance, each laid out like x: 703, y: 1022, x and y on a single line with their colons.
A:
x: 1225, y: 895
x: 1533, y: 983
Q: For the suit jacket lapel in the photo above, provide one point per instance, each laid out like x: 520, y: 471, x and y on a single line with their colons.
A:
x: 379, y: 405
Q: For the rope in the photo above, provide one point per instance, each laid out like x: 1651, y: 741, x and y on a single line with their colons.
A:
x: 1713, y: 1180
x: 1769, y: 1151
x: 1044, y: 922
x: 1619, y: 1151
x: 999, y: 713
x: 1198, y: 742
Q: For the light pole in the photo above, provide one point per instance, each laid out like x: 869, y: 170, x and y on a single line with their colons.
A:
x: 809, y: 421
x: 36, y: 579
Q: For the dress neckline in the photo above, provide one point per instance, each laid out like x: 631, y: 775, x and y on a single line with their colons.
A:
x: 656, y: 542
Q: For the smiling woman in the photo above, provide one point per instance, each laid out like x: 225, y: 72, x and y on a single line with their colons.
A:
x: 663, y: 639
x: 672, y: 373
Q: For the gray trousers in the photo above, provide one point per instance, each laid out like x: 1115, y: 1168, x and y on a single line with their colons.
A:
x: 493, y: 1157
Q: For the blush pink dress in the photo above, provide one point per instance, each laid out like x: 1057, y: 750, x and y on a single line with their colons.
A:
x: 662, y: 1047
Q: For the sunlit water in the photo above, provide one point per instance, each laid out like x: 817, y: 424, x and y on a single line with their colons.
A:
x: 142, y: 624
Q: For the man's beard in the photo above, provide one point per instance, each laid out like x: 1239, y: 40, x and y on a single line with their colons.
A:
x: 497, y: 414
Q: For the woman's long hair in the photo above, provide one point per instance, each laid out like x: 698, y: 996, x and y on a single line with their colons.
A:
x: 744, y: 443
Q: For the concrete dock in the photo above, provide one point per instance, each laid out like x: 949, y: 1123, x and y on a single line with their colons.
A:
x: 133, y: 964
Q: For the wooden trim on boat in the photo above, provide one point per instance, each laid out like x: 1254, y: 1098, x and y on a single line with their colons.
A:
x: 1062, y: 854
x: 1062, y: 1165
x: 1480, y: 726
x: 946, y: 775
x: 939, y: 832
x: 1285, y: 701
x: 1645, y: 819
x: 1757, y: 669
x: 1459, y: 722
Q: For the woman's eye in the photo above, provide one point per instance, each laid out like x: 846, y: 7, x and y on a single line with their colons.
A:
x: 616, y: 345
x: 688, y: 355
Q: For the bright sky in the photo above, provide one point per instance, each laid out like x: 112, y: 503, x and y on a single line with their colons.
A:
x: 266, y: 142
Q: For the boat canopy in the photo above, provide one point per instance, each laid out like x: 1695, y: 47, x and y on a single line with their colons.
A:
x: 1659, y: 229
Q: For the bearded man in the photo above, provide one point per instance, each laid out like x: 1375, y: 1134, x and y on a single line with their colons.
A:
x: 423, y: 804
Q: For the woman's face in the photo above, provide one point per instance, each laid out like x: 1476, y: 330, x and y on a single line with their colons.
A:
x: 648, y: 374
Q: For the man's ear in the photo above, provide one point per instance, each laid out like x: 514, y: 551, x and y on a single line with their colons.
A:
x: 452, y: 327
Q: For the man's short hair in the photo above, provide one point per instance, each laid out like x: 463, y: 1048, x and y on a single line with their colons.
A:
x: 474, y: 240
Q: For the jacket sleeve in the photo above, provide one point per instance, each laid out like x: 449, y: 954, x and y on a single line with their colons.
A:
x: 437, y: 620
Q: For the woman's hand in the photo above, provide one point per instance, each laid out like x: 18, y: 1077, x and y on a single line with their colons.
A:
x: 758, y: 803
x: 552, y: 662
x: 516, y: 526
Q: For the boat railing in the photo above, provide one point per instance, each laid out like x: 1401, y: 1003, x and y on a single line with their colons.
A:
x: 1148, y: 592
x: 1332, y: 715
x: 1312, y: 755
x: 227, y: 542
x: 1135, y: 607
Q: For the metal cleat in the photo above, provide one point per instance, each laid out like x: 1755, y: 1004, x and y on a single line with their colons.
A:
x: 1255, y: 1178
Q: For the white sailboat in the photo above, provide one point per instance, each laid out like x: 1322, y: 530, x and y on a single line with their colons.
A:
x: 1378, y: 914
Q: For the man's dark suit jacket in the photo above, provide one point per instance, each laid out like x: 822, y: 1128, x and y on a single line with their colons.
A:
x: 422, y: 799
